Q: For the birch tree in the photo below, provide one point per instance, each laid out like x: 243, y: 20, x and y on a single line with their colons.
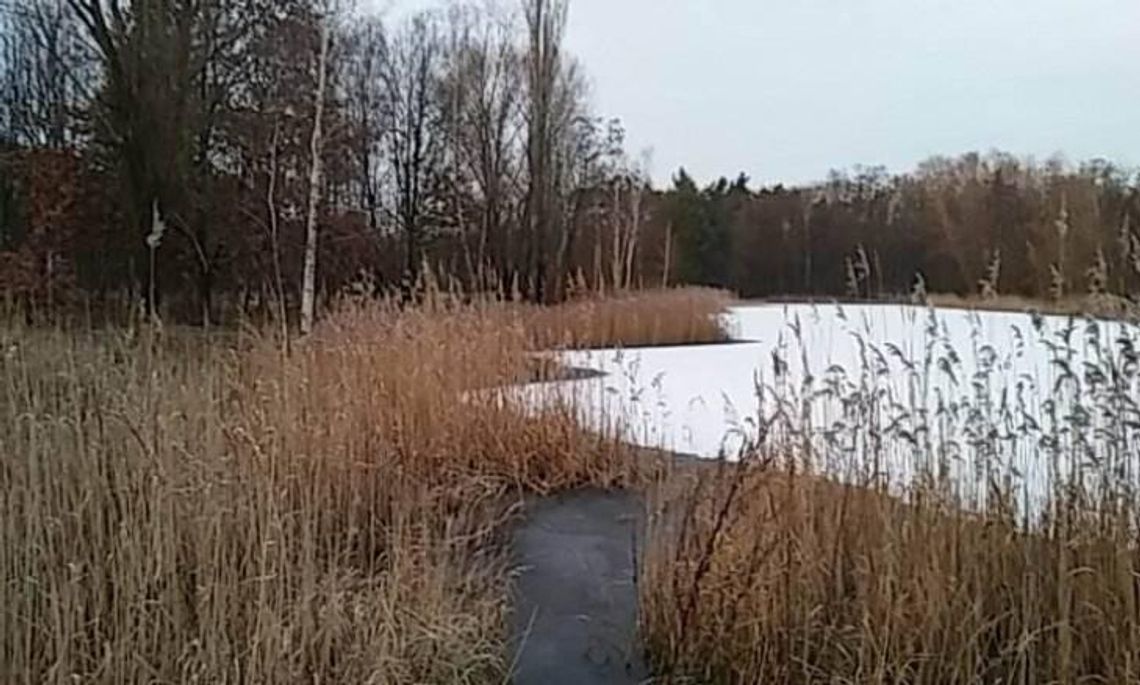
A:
x: 316, y: 151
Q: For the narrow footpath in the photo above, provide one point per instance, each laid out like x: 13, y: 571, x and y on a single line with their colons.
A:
x: 575, y: 607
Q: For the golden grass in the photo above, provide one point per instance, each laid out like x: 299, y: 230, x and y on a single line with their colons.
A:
x: 664, y: 317
x: 202, y: 509
x: 755, y: 575
x: 183, y: 510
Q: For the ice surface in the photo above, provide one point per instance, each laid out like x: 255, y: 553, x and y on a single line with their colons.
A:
x: 882, y: 391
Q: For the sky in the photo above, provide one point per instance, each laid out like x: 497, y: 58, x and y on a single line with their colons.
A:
x: 785, y: 91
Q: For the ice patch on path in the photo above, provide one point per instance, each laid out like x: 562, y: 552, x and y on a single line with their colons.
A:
x: 993, y: 399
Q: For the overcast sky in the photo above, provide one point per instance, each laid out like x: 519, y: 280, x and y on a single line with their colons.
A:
x: 787, y: 90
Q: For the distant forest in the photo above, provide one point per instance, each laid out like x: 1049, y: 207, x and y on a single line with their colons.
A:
x: 962, y: 225
x: 228, y: 158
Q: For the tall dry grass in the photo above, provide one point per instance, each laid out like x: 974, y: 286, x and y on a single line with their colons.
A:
x: 187, y: 510
x: 759, y: 575
x: 763, y: 571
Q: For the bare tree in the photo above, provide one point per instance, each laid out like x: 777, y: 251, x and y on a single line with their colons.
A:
x: 170, y: 69
x: 364, y: 53
x: 546, y: 24
x: 42, y: 70
x: 414, y: 136
x: 591, y: 153
x: 145, y: 58
x: 556, y: 96
x: 484, y: 131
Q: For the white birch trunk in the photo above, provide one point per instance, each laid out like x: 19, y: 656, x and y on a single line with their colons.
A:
x: 634, y: 235
x: 309, y: 278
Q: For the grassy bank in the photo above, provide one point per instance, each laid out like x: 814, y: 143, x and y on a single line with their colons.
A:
x: 200, y: 509
x: 1101, y: 306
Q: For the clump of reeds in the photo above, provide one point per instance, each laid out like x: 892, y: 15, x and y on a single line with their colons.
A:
x: 988, y: 285
x: 857, y: 274
x: 663, y: 317
x: 811, y: 561
x: 795, y: 579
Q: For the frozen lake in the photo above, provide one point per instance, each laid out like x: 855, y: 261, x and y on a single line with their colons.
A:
x: 885, y: 392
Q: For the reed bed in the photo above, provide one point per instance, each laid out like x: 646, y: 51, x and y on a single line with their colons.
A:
x: 678, y: 316
x: 217, y: 509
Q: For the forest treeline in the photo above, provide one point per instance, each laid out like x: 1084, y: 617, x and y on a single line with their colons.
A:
x: 204, y: 159
x: 971, y: 225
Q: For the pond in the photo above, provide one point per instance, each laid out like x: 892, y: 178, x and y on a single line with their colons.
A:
x: 986, y: 402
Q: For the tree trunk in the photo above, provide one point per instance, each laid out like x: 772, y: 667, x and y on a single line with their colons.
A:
x: 634, y: 236
x: 275, y: 240
x: 309, y: 279
x: 546, y: 22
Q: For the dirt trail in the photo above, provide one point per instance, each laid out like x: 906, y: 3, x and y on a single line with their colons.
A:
x: 575, y: 610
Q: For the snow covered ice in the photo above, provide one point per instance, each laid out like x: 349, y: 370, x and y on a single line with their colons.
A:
x: 882, y: 391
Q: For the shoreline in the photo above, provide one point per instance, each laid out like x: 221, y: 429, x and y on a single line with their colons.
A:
x: 1114, y: 309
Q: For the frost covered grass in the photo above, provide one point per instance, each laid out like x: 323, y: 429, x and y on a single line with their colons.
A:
x: 938, y: 508
x: 199, y: 509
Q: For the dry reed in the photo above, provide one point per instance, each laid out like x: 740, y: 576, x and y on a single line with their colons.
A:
x: 763, y: 571
x: 665, y: 317
x: 759, y: 575
x: 193, y: 511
